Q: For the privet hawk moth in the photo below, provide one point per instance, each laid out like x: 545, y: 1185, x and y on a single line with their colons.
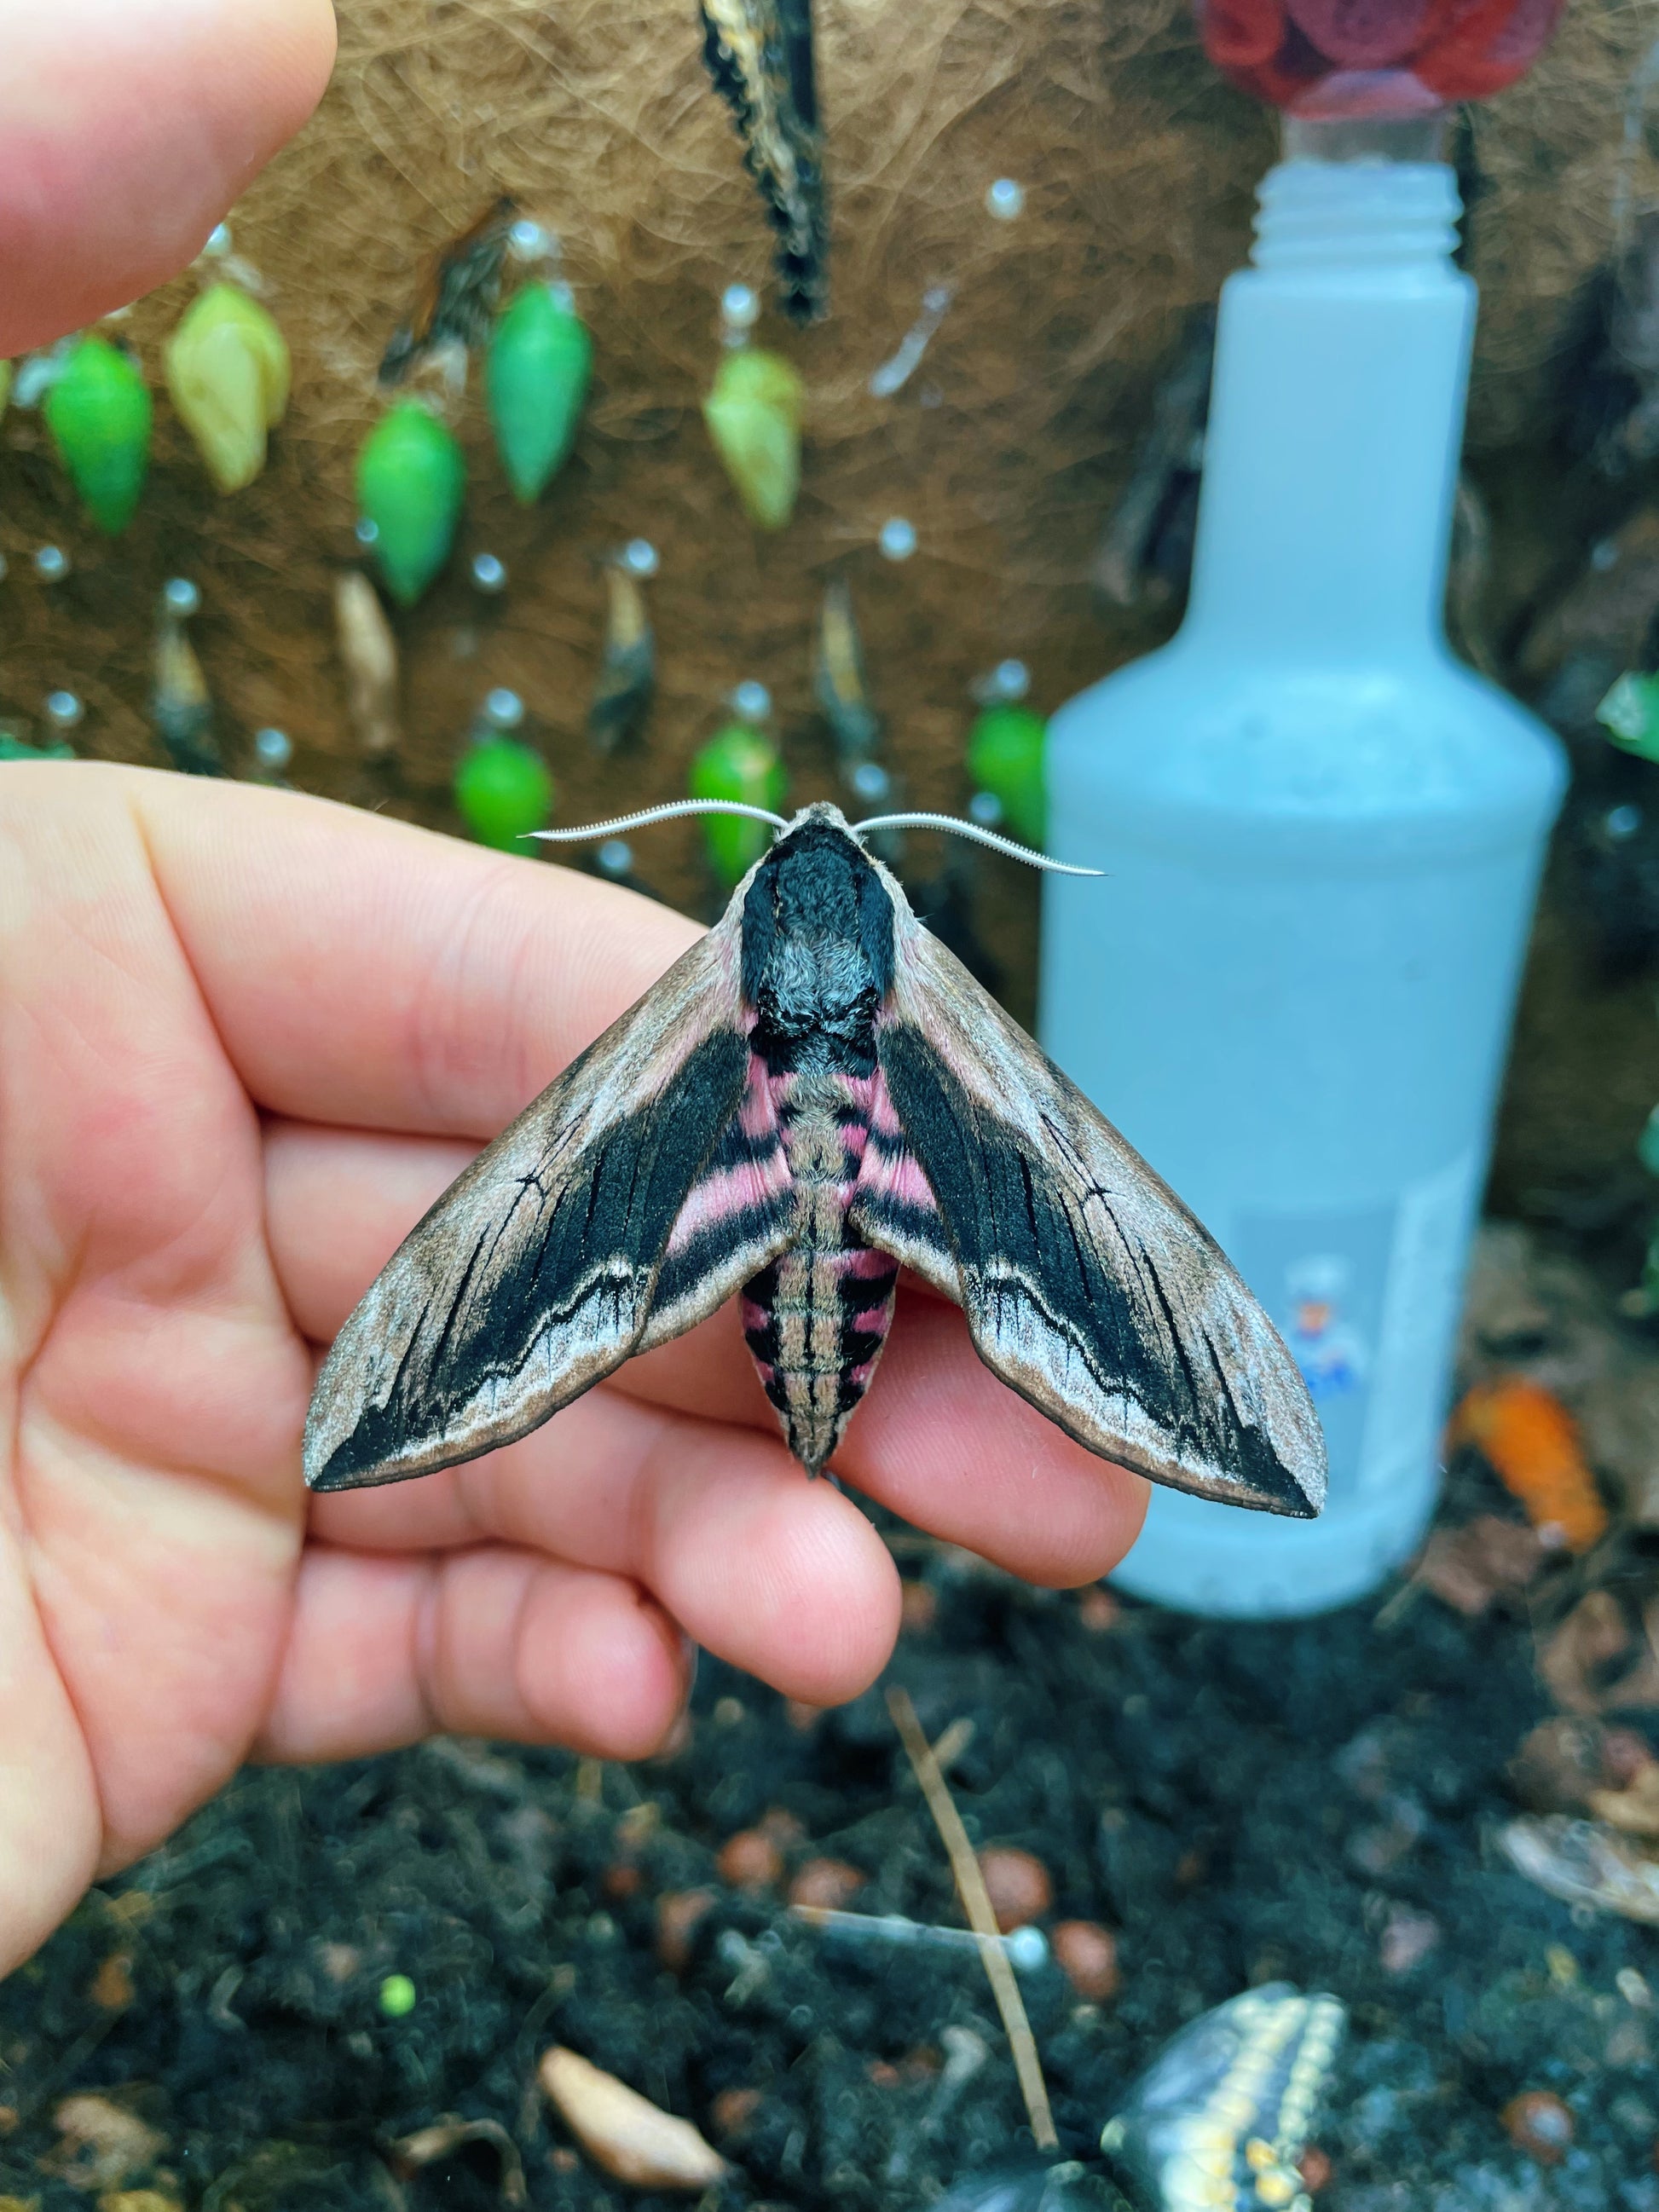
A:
x: 815, y: 1095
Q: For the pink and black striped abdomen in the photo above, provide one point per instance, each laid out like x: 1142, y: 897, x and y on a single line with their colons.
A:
x: 817, y: 1317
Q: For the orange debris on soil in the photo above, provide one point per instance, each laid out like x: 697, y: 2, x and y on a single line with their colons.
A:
x: 1531, y: 1443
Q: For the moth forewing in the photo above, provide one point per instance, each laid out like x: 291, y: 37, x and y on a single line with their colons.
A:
x: 1088, y: 1286
x: 534, y: 1275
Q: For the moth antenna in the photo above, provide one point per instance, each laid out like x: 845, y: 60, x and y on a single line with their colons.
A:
x: 1032, y: 859
x: 664, y: 813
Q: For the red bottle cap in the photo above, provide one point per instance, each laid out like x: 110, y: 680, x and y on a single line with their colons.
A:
x: 1336, y: 58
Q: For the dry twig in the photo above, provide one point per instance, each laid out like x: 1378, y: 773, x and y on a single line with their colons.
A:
x: 976, y: 1904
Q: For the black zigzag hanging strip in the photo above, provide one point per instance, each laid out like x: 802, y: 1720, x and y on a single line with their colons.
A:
x: 759, y: 53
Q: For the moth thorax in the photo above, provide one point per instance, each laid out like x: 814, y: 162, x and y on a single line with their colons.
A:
x: 816, y: 1005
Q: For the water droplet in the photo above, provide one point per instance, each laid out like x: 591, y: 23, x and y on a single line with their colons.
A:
x: 529, y: 240
x: 218, y: 241
x: 1623, y: 822
x: 503, y: 710
x: 1027, y: 1949
x: 562, y: 296
x: 752, y: 702
x: 272, y: 749
x: 1008, y: 680
x: 870, y: 781
x: 985, y: 808
x: 639, y: 557
x: 52, y: 563
x: 367, y: 533
x: 180, y: 597
x: 489, y: 575
x: 898, y: 537
x: 740, y: 312
x: 64, y: 710
x: 614, y: 857
x: 37, y: 372
x: 1604, y: 556
x: 1004, y: 200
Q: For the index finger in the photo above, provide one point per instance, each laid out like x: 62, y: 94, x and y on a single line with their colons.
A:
x: 364, y: 973
x: 130, y: 126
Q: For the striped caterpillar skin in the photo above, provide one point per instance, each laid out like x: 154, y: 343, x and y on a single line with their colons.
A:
x: 815, y: 1095
x: 1219, y: 2121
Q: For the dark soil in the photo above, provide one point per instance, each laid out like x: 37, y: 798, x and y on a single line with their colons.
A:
x: 1228, y: 1798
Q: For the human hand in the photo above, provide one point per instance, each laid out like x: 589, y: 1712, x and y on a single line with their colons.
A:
x: 129, y: 127
x: 245, y: 1039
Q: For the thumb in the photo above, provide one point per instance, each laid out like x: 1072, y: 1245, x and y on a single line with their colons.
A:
x: 129, y: 127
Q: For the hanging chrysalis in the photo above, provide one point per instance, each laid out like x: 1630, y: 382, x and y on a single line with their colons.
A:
x: 536, y: 376
x: 838, y: 678
x: 99, y: 412
x: 739, y: 762
x: 456, y: 305
x: 369, y: 653
x: 411, y: 478
x: 628, y: 666
x: 759, y: 53
x: 503, y: 787
x: 753, y: 412
x: 1006, y: 746
x: 180, y: 708
x: 1630, y: 714
x: 14, y: 748
x: 228, y: 372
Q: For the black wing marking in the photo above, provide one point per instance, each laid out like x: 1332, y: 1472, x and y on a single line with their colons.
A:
x: 1087, y: 1284
x: 759, y: 53
x: 739, y: 1216
x: 533, y: 1277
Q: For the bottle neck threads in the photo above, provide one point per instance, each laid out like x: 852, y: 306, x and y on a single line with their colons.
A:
x: 1336, y: 408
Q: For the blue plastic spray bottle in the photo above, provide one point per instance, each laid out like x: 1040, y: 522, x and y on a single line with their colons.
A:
x: 1323, y: 835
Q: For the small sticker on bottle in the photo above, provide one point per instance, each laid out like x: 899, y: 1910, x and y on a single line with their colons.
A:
x: 1366, y: 1299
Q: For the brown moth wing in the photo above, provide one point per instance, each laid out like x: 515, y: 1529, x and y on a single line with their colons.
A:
x: 534, y: 1275
x: 460, y: 289
x: 1088, y: 1286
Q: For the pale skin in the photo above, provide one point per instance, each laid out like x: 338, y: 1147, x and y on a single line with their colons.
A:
x: 245, y: 1039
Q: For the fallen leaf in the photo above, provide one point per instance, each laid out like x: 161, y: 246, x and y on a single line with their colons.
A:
x: 1634, y: 1810
x: 101, y: 2144
x: 1559, y: 1764
x: 625, y: 2133
x: 1467, y: 1568
x: 1574, y: 1663
x: 1585, y: 1863
x: 446, y: 2135
x: 1619, y: 1414
x: 138, y: 2200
